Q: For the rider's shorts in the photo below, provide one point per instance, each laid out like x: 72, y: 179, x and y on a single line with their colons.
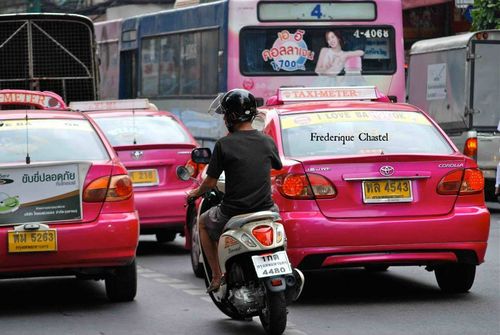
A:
x: 215, y: 221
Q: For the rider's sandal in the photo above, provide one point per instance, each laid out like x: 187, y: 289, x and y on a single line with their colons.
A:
x: 214, y: 286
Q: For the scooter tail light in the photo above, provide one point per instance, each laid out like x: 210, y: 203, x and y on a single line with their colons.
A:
x: 450, y: 183
x: 264, y: 234
x: 473, y: 182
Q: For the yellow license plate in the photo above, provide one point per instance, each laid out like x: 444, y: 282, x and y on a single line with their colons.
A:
x: 391, y: 190
x: 32, y: 241
x: 144, y: 177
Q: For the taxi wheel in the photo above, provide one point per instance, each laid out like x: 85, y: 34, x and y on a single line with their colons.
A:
x: 121, y: 285
x: 376, y: 268
x: 455, y: 278
x: 165, y: 236
x: 196, y: 265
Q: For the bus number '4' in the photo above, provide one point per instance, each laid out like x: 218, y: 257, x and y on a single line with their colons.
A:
x: 317, y: 11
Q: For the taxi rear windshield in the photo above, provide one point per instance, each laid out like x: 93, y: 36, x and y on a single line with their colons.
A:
x: 49, y: 140
x: 142, y: 129
x: 360, y: 133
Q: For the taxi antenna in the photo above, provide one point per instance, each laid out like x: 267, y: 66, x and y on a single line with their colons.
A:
x: 133, y: 125
x: 28, y: 158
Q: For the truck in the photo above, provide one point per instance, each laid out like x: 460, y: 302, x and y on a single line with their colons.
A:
x: 49, y: 52
x: 456, y: 79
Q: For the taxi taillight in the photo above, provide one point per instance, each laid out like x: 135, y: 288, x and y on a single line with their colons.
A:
x: 302, y: 186
x: 114, y: 188
x: 194, y: 168
x: 473, y: 182
x: 463, y: 182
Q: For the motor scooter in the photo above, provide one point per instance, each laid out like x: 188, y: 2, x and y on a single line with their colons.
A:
x: 258, y: 277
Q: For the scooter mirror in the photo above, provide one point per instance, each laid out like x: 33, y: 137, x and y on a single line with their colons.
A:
x: 201, y: 155
x: 183, y: 173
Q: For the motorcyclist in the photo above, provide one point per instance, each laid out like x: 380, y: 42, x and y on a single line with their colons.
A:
x: 246, y: 156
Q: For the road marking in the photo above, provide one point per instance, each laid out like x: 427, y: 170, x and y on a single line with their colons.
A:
x: 168, y: 280
x: 194, y: 290
x: 152, y: 275
x: 207, y: 299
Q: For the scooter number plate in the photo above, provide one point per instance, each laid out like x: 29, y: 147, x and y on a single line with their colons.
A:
x: 272, y: 264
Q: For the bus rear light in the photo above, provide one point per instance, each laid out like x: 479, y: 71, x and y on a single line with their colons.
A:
x: 264, y: 234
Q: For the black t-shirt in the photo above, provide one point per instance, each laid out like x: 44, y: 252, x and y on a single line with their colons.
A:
x: 246, y: 157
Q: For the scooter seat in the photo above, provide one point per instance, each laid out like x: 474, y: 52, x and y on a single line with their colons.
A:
x: 239, y: 221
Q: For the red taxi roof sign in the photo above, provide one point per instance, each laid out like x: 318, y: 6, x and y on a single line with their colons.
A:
x: 104, y: 105
x: 45, y: 100
x: 296, y: 94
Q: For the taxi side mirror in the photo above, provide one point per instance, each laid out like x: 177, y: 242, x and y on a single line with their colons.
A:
x: 201, y: 155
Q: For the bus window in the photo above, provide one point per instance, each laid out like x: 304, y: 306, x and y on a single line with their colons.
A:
x: 296, y: 50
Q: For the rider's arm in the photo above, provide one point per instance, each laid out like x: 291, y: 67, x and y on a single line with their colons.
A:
x: 207, y: 184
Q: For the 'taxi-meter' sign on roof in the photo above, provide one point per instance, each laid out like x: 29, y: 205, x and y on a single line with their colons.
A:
x: 294, y: 94
x: 106, y: 105
x: 42, y: 100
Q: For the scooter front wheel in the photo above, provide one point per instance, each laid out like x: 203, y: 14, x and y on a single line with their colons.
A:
x: 273, y: 315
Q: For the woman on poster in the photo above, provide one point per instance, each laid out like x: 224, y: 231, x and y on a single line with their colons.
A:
x: 332, y: 60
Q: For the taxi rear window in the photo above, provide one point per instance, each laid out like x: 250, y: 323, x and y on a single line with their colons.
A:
x: 142, y: 129
x: 359, y: 133
x: 49, y: 140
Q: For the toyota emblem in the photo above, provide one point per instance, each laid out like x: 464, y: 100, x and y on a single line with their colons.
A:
x: 386, y: 170
x: 137, y: 155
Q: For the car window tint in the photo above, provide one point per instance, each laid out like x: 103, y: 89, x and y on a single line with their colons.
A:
x: 359, y: 133
x: 50, y: 140
x: 144, y: 129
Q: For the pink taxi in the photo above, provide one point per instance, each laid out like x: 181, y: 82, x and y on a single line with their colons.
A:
x: 66, y: 201
x: 374, y: 184
x: 151, y: 144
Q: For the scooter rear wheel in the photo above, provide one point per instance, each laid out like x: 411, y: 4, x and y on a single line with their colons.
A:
x: 273, y: 316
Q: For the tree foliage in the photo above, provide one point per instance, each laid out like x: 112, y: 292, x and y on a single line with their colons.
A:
x: 486, y: 14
